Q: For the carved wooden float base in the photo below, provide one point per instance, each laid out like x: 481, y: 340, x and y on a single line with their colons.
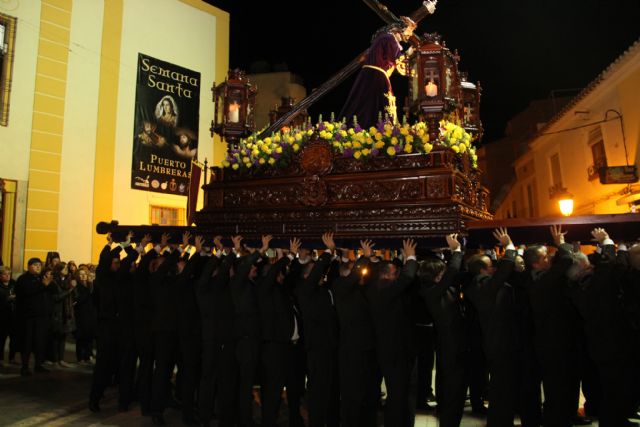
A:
x: 410, y: 195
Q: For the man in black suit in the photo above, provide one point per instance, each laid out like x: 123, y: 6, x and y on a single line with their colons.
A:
x: 440, y: 288
x: 280, y: 334
x: 393, y: 333
x: 359, y: 391
x: 217, y: 315
x: 321, y: 339
x: 557, y: 329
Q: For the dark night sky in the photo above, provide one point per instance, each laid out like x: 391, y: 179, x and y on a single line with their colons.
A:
x: 519, y: 50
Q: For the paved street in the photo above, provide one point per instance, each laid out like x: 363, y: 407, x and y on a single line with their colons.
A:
x: 59, y: 398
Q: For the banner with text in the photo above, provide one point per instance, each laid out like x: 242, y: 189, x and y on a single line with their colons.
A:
x: 165, y: 134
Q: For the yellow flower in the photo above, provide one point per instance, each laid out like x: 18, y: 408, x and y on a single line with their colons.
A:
x: 246, y: 160
x: 267, y: 140
x: 394, y: 141
x: 409, y: 139
x: 351, y: 131
x: 272, y: 161
x: 366, y: 152
x: 357, y: 144
x: 379, y: 145
x: 226, y: 163
x: 388, y: 132
x: 298, y: 137
x: 372, y: 130
x: 462, y: 148
x: 427, y: 148
x: 310, y: 132
x: 290, y: 140
x: 378, y: 136
x: 404, y: 131
x: 357, y: 154
x: 408, y: 148
x: 279, y: 150
x: 235, y: 166
x: 424, y: 139
x: 344, y: 132
x: 261, y: 161
x: 391, y: 151
x: 296, y: 147
x: 329, y: 127
x: 276, y: 138
x: 255, y: 152
x: 455, y: 149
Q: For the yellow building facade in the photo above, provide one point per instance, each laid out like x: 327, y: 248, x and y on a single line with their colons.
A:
x: 66, y: 151
x: 586, y: 135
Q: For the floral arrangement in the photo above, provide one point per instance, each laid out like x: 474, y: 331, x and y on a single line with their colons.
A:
x: 384, y: 140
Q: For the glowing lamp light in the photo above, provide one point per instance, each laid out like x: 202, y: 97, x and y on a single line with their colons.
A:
x: 566, y: 204
x: 431, y: 89
x: 234, y: 112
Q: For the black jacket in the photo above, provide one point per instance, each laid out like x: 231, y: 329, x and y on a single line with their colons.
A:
x: 31, y: 297
x: 354, y: 314
x: 245, y: 300
x: 318, y: 312
x: 213, y: 294
x: 392, y: 324
x: 446, y: 308
x: 7, y: 307
x: 276, y: 305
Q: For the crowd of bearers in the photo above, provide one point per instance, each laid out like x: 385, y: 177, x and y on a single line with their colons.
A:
x: 329, y: 329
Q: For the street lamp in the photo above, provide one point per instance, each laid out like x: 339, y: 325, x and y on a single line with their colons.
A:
x: 565, y: 202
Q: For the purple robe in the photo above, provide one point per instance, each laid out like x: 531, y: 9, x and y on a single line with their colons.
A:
x: 368, y: 95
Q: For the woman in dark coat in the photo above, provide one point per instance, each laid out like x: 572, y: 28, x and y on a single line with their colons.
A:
x: 85, y: 316
x: 61, y: 313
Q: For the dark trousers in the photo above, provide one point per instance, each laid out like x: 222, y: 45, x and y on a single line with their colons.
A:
x: 275, y: 357
x: 359, y: 390
x: 127, y: 367
x: 323, y: 388
x: 425, y: 347
x: 238, y: 364
x: 560, y: 380
x: 7, y: 331
x: 478, y: 370
x: 84, y: 348
x: 170, y: 348
x: 209, y: 379
x: 396, y: 373
x: 618, y: 379
x: 503, y: 395
x: 108, y: 340
x: 452, y: 386
x: 57, y: 346
x: 34, y: 339
x: 530, y: 400
x: 144, y: 349
x: 296, y: 383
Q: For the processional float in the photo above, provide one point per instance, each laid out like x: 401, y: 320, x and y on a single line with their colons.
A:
x: 388, y: 195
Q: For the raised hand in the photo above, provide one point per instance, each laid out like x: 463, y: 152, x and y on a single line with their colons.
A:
x: 197, y: 241
x: 557, y: 234
x: 145, y: 240
x: 185, y: 238
x: 217, y: 241
x: 294, y: 245
x: 236, y: 243
x: 452, y: 241
x: 265, y: 243
x: 600, y: 235
x: 409, y: 248
x: 130, y: 235
x: 164, y: 239
x: 327, y: 239
x: 502, y: 236
x: 367, y: 247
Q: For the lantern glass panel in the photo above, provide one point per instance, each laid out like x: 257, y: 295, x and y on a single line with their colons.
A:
x: 415, y: 82
x: 431, y: 74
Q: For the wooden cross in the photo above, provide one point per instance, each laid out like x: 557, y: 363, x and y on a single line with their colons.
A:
x: 427, y: 8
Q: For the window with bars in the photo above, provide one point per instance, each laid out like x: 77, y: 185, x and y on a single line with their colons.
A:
x: 163, y: 215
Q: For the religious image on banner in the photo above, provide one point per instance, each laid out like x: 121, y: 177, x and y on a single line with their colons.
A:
x: 165, y: 134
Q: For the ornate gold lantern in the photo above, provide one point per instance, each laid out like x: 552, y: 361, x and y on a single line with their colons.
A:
x: 234, y: 102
